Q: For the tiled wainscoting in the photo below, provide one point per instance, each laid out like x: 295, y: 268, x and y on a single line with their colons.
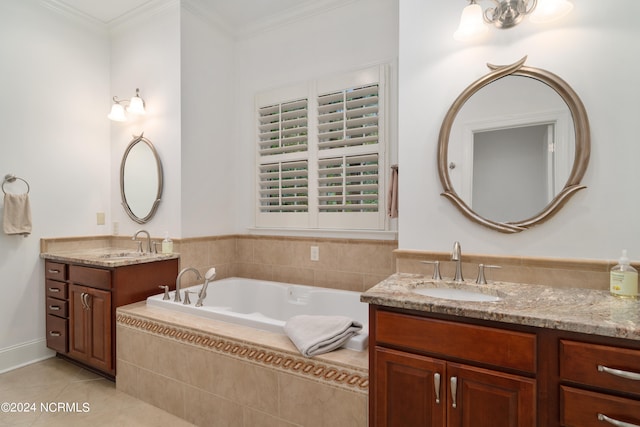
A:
x: 556, y: 272
x: 348, y: 264
x: 218, y: 374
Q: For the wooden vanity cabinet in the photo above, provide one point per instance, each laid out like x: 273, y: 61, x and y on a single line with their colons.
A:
x: 600, y: 384
x: 56, y: 294
x: 90, y: 295
x: 430, y: 372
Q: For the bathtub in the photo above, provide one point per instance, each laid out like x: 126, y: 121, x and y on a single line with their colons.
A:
x: 266, y: 306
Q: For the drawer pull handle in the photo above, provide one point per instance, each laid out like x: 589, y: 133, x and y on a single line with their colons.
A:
x: 54, y: 307
x: 454, y: 391
x: 436, y: 385
x: 52, y: 271
x: 54, y: 289
x: 55, y: 334
x: 618, y: 373
x: 602, y: 417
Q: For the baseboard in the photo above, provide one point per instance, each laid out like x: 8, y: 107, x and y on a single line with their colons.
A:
x: 24, y: 354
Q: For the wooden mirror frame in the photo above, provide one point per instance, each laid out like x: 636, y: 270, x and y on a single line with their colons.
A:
x: 582, y: 144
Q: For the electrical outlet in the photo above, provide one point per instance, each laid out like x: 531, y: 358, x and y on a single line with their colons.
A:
x: 315, y: 253
x: 100, y: 218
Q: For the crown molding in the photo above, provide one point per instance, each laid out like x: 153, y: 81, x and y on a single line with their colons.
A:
x: 198, y: 9
x: 305, y: 10
x: 142, y: 12
x: 74, y: 14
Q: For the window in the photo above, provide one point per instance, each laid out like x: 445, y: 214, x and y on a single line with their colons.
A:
x: 321, y: 154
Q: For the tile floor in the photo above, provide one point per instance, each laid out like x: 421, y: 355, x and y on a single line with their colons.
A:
x: 91, y: 400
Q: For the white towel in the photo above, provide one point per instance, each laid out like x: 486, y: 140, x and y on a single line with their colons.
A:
x: 17, y: 214
x: 314, y: 335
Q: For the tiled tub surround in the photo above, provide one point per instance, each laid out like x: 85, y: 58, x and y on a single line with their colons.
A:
x: 348, y: 264
x: 218, y: 374
x: 587, y: 311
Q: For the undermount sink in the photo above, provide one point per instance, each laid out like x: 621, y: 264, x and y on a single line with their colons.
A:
x: 457, y: 294
x: 122, y: 255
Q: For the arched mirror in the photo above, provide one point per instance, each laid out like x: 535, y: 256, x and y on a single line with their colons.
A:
x: 140, y: 180
x: 513, y: 147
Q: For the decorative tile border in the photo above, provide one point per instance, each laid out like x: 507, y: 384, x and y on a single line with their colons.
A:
x: 327, y: 373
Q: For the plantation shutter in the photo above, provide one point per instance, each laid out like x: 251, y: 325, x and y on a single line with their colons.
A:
x: 320, y: 156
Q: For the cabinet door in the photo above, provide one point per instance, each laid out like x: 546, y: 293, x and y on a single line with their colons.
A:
x: 90, y: 326
x: 485, y: 398
x: 409, y: 390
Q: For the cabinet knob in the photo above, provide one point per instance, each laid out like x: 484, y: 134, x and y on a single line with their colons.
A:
x: 54, y: 307
x: 54, y: 333
x: 436, y: 385
x: 54, y: 289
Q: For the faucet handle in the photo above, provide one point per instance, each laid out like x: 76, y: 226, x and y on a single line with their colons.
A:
x: 480, y: 280
x: 139, y: 242
x: 436, y: 269
x: 166, y: 292
x: 187, y: 301
x: 154, y: 246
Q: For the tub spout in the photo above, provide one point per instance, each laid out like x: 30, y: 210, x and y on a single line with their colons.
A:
x: 184, y: 270
x: 208, y: 277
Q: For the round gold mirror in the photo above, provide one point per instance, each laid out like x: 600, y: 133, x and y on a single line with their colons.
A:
x: 515, y: 144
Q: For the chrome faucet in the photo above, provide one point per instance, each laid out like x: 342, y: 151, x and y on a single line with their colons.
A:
x: 208, y: 277
x: 456, y: 256
x: 135, y: 236
x: 184, y: 270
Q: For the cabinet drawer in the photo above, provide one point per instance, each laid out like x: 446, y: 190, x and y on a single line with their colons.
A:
x: 580, y: 408
x: 57, y: 334
x: 92, y: 277
x: 56, y: 289
x: 55, y: 270
x: 619, y: 367
x: 492, y: 346
x: 57, y: 307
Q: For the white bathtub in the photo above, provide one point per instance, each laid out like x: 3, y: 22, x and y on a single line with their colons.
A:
x: 266, y: 305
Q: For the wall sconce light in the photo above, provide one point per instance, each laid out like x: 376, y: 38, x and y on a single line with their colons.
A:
x: 136, y: 106
x: 507, y: 14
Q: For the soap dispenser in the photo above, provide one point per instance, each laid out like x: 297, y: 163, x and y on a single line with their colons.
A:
x: 167, y: 244
x: 624, y: 279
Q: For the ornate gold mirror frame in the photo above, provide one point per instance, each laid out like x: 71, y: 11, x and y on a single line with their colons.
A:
x: 582, y: 144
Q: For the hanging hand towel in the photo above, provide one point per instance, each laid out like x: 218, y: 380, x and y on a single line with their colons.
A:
x: 314, y: 335
x: 17, y: 214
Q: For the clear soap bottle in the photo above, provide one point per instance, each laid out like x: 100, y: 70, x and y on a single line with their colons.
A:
x: 624, y: 279
x: 167, y: 244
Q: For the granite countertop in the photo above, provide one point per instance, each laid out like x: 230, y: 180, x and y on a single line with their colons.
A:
x: 570, y: 309
x: 111, y: 257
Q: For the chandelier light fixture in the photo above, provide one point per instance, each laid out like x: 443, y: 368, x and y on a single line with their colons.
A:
x: 506, y: 14
x: 136, y: 105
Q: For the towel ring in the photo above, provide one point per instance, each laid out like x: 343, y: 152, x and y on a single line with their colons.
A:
x: 12, y: 178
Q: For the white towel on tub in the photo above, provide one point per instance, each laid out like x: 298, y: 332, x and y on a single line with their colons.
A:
x: 314, y: 335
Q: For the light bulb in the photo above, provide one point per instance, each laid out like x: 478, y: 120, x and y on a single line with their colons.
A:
x: 117, y: 113
x: 471, y: 23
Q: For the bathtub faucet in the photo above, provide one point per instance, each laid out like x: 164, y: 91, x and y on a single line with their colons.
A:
x: 208, y: 277
x: 184, y: 270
